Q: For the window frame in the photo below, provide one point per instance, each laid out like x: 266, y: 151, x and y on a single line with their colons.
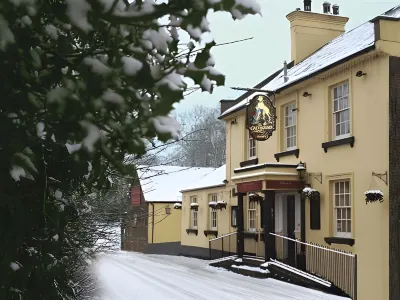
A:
x: 250, y: 148
x: 334, y: 113
x: 213, y: 197
x: 193, y: 214
x: 285, y: 128
x: 349, y: 232
x: 234, y: 216
x: 252, y: 215
x: 213, y: 212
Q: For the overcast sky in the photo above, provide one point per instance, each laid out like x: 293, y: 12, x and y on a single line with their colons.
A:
x: 247, y: 63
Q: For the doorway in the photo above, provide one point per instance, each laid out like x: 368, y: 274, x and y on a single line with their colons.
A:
x: 287, y: 223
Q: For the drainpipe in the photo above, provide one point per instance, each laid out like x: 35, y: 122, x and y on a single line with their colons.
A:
x: 152, y: 223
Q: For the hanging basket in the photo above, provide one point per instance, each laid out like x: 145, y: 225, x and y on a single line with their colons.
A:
x: 177, y: 206
x: 221, y: 204
x: 212, y: 204
x: 373, y: 196
x: 311, y: 194
x: 194, y: 206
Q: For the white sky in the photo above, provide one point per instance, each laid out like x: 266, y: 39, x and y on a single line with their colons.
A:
x: 247, y: 63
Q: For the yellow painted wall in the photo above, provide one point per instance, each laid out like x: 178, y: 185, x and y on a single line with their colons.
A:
x: 369, y: 114
x: 310, y: 31
x: 167, y: 228
x: 369, y: 97
x: 223, y: 216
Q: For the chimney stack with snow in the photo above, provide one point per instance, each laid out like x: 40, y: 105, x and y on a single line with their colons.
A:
x: 327, y: 7
x: 307, y: 5
x: 310, y: 31
x: 335, y: 8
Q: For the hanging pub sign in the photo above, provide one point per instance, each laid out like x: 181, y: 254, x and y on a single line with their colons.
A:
x: 261, y: 118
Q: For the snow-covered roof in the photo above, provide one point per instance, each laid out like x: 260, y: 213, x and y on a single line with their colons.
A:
x: 394, y: 12
x: 163, y: 183
x: 213, y: 179
x: 351, y: 43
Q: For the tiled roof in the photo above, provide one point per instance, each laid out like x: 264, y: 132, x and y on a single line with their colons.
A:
x: 345, y: 46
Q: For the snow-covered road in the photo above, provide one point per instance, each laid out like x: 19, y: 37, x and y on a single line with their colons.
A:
x: 134, y: 276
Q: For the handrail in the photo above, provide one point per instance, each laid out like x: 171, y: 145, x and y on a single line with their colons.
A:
x: 222, y: 236
x: 312, y: 245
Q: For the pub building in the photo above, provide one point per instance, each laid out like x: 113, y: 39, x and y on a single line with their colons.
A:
x: 307, y: 187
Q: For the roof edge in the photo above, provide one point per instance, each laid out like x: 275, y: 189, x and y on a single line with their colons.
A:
x: 368, y: 49
x: 383, y: 17
x: 203, y: 188
x: 262, y: 83
x: 169, y: 202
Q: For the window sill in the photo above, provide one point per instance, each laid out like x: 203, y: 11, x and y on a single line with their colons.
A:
x: 339, y: 240
x: 346, y: 141
x: 295, y: 152
x: 251, y: 234
x: 211, y: 232
x: 189, y: 230
x: 250, y: 162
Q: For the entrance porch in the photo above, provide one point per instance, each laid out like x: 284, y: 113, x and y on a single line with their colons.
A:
x: 280, y: 239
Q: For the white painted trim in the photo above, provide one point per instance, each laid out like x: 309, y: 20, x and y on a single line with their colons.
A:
x: 265, y: 164
x: 264, y: 173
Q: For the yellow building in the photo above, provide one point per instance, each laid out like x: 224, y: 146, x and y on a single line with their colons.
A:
x: 303, y: 148
x: 154, y: 221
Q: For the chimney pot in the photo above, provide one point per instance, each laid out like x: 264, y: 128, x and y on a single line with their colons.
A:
x: 335, y: 8
x: 327, y: 7
x: 307, y: 5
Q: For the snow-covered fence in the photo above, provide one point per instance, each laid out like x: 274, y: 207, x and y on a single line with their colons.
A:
x: 337, y: 266
x: 223, y: 246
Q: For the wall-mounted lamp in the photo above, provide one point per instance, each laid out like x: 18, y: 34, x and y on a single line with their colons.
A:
x: 233, y: 122
x: 167, y: 210
x: 317, y: 176
x: 295, y: 109
x: 301, y: 169
x: 306, y: 94
x: 225, y: 181
x: 360, y: 74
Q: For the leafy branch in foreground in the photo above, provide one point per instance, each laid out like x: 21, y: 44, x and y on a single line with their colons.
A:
x: 83, y: 84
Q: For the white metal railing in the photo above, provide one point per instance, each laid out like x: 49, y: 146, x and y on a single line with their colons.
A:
x: 334, y: 265
x: 222, y: 246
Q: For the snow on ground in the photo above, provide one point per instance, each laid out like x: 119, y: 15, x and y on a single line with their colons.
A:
x: 127, y: 276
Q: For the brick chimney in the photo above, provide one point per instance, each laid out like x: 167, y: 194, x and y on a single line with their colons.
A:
x: 310, y: 31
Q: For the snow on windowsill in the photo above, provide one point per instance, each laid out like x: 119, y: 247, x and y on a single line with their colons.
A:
x: 194, y: 204
x: 212, y: 203
x: 254, y: 269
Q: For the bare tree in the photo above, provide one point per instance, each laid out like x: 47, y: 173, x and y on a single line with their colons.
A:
x: 204, y: 142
